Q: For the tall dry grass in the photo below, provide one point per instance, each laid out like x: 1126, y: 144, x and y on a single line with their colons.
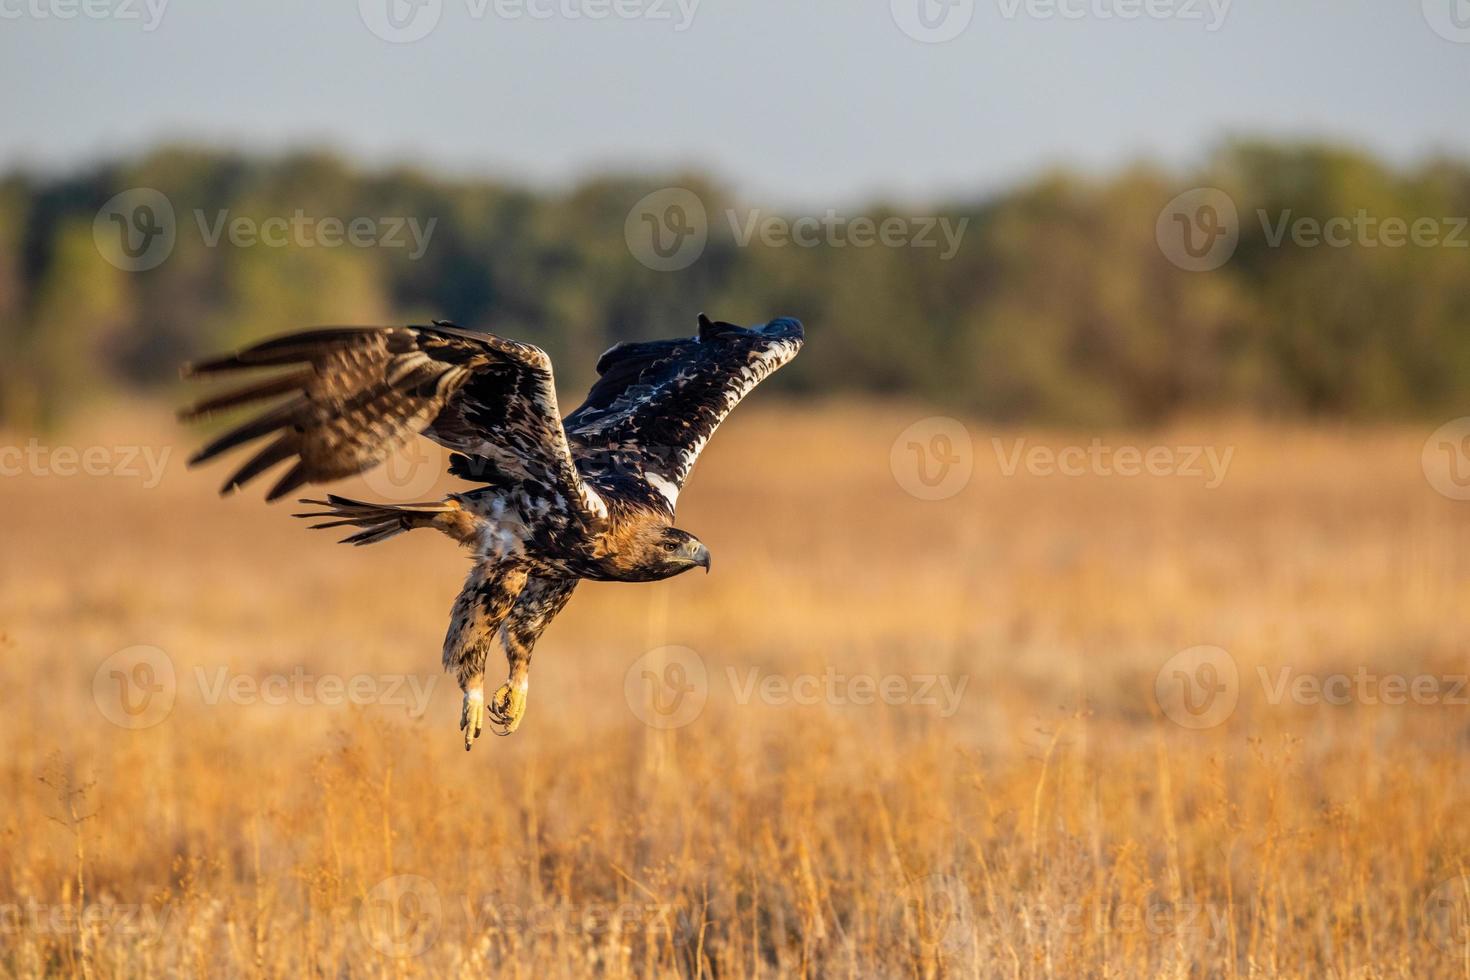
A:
x: 1058, y: 823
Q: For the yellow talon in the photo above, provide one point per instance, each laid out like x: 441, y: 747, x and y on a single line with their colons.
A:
x: 508, y: 706
x: 472, y: 717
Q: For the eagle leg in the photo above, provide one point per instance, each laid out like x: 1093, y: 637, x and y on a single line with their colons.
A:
x: 535, y: 607
x: 483, y: 604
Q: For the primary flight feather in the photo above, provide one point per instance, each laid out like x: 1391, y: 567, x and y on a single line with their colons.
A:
x: 591, y: 496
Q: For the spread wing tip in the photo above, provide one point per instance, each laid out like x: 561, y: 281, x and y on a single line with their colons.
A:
x: 780, y: 328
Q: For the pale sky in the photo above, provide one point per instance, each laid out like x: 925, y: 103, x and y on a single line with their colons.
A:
x: 812, y: 102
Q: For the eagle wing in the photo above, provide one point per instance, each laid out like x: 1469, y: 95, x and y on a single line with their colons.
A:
x: 352, y: 395
x: 656, y: 403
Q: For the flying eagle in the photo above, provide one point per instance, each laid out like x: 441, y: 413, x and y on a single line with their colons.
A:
x: 591, y: 496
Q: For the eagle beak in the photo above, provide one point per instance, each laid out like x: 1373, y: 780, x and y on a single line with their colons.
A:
x: 699, y: 555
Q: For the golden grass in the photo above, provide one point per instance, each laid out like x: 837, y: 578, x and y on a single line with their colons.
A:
x: 1056, y: 824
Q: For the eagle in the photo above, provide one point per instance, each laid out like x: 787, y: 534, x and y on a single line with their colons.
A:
x: 556, y: 500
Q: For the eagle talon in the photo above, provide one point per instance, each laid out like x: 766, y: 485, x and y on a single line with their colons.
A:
x: 507, y: 707
x: 472, y: 716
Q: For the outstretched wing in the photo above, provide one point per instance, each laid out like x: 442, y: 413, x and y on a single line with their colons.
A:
x: 352, y: 395
x: 657, y: 403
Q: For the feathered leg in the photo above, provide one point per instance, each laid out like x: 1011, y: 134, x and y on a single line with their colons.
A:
x: 534, y: 609
x: 483, y: 603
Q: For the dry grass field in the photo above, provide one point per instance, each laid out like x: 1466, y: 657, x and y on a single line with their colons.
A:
x: 890, y: 737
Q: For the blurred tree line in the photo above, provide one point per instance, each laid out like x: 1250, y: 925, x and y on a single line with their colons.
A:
x: 1058, y: 306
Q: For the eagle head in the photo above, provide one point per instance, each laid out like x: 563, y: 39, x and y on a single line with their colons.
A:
x: 673, y: 551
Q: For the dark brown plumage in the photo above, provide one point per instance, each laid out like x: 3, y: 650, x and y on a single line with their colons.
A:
x: 592, y: 496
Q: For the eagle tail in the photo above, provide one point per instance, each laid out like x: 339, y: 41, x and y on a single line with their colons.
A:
x: 379, y: 522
